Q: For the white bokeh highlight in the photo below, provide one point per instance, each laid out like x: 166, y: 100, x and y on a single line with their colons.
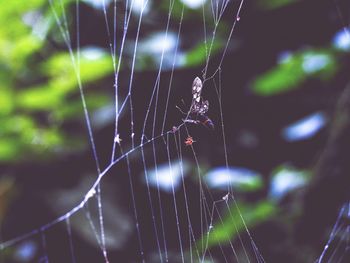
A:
x: 341, y: 40
x: 285, y: 181
x: 167, y: 176
x: 237, y: 177
x: 305, y: 128
x: 194, y: 4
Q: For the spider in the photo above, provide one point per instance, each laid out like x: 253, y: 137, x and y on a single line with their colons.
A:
x: 189, y: 141
x: 199, y: 107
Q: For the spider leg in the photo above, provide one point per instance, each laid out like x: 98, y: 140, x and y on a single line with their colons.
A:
x: 191, y: 121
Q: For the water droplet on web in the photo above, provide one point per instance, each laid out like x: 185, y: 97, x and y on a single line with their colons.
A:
x: 117, y: 139
x: 225, y: 198
x: 90, y: 194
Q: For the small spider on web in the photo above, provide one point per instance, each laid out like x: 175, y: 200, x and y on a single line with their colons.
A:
x: 199, y: 107
x: 189, y: 141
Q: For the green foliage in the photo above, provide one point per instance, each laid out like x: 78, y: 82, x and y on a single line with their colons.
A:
x: 252, y: 184
x: 94, y: 64
x: 10, y: 148
x: 291, y: 73
x: 74, y: 108
x: 6, y: 101
x: 286, y: 179
x: 38, y: 98
x: 227, y: 229
x: 198, y: 54
x: 20, y: 134
x: 30, y: 85
x: 18, y: 40
x: 176, y: 8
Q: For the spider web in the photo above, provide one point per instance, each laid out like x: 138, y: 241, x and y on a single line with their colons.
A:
x: 337, y: 246
x: 145, y: 136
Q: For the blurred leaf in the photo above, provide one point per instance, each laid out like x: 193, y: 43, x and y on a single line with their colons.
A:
x: 39, y: 98
x: 22, y: 44
x: 47, y: 138
x: 75, y: 108
x: 292, y: 72
x: 6, y: 101
x: 176, y: 8
x: 223, y: 232
x: 252, y: 185
x: 286, y: 179
x: 16, y: 125
x: 19, y: 6
x: 20, y: 134
x: 97, y: 100
x: 273, y: 4
x: 198, y: 54
x: 94, y: 64
x: 42, y: 97
x: 20, y: 38
x: 10, y: 148
x: 22, y: 49
x: 239, y: 178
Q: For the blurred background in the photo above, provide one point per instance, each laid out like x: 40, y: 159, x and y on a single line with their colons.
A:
x: 286, y: 109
